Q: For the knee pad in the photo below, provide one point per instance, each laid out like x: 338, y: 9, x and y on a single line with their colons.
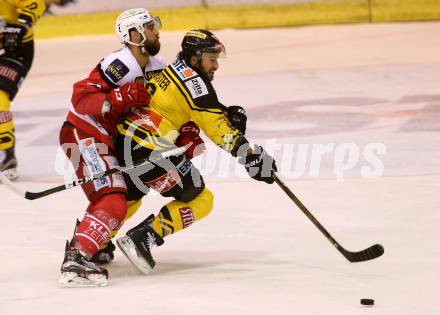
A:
x: 197, y: 209
x: 190, y: 192
x: 202, y: 204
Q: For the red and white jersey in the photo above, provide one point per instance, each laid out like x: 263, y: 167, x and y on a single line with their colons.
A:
x: 89, y: 110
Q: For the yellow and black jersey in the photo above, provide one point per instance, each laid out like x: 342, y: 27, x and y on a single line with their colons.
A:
x: 23, y: 12
x: 179, y: 94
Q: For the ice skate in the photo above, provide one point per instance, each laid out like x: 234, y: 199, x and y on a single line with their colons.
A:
x: 105, y: 255
x: 137, y: 245
x: 76, y: 271
x: 8, y: 164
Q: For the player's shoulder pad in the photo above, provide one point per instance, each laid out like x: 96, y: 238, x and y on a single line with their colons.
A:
x: 156, y: 63
x: 203, y: 95
x: 154, y: 67
x: 120, y: 67
x: 183, y: 72
x: 33, y: 8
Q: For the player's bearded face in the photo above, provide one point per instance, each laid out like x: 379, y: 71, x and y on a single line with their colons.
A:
x: 152, y: 46
x: 209, y: 64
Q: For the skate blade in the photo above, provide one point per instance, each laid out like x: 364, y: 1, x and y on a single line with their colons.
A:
x: 72, y: 280
x: 130, y: 251
x: 10, y: 174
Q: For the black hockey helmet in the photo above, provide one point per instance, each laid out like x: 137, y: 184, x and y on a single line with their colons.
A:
x: 196, y: 42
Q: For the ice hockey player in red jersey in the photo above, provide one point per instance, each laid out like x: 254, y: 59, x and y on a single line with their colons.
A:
x: 115, y: 86
x: 183, y: 102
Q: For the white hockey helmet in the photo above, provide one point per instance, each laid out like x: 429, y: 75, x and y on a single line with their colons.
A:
x: 134, y: 18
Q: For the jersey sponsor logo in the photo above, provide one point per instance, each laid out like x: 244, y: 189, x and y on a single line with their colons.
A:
x: 162, y: 81
x: 95, y: 230
x: 196, y: 87
x: 165, y: 182
x: 187, y: 216
x: 95, y: 165
x: 8, y: 73
x: 117, y: 179
x: 101, y: 183
x: 152, y: 74
x: 5, y: 117
x: 179, y: 65
x: 13, y: 29
x: 184, y: 167
x: 182, y: 70
x: 188, y: 73
x: 116, y: 70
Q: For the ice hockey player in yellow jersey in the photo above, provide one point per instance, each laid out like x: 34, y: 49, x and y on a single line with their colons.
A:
x: 17, y: 18
x: 182, y: 100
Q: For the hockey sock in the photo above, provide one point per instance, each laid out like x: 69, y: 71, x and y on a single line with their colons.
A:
x: 104, y: 217
x: 177, y: 215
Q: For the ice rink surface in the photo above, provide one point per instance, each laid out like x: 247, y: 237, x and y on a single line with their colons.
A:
x: 352, y: 114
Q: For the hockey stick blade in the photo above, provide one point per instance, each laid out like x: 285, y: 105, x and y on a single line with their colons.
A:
x: 369, y: 253
x: 36, y: 195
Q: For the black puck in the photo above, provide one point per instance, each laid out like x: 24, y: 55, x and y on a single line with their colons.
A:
x: 367, y: 302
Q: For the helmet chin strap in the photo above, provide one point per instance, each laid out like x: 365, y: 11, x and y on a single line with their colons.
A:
x: 141, y: 44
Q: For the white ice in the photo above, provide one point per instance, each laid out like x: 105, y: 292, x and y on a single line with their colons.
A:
x: 256, y: 253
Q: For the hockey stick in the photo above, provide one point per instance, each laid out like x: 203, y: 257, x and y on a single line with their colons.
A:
x: 36, y: 195
x: 369, y: 253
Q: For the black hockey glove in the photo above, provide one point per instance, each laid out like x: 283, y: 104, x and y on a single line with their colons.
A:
x: 237, y: 117
x: 259, y: 165
x: 11, y: 38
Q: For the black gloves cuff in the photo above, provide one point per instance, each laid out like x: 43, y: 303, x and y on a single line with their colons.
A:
x: 241, y: 147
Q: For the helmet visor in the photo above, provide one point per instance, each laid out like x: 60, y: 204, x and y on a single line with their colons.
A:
x: 154, y: 23
x: 217, y: 48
